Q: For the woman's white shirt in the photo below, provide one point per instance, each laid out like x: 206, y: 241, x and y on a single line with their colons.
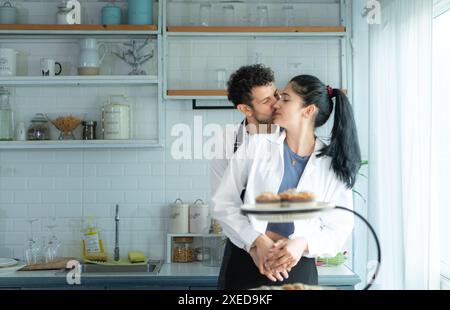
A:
x: 259, y: 167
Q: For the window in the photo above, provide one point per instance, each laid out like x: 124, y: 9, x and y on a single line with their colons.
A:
x: 441, y: 128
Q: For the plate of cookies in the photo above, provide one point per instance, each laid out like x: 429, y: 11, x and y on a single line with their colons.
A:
x: 287, y: 206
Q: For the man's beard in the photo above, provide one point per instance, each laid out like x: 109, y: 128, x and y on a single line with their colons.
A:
x: 263, y: 121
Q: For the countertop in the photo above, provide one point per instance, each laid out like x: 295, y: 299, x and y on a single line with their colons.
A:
x: 171, y: 276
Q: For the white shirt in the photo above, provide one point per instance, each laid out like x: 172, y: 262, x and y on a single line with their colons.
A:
x: 259, y: 167
x: 218, y: 166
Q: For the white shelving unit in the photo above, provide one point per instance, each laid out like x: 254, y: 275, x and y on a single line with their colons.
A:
x: 170, y: 238
x: 37, y: 31
x: 175, y: 28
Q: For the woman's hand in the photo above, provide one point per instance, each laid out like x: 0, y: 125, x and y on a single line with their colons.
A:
x: 260, y: 252
x: 285, y: 254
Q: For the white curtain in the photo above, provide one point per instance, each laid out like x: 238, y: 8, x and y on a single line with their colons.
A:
x: 400, y: 145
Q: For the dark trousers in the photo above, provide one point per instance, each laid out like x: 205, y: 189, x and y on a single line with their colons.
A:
x: 239, y: 272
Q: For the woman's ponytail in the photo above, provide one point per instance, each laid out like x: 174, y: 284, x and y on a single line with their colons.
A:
x: 344, y: 146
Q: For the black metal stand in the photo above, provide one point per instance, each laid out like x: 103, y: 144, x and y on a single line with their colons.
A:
x: 376, y: 241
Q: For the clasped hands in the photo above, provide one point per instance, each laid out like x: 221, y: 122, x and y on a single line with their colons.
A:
x: 275, y: 257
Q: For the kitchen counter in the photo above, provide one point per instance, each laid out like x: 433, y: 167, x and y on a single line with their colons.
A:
x: 171, y: 276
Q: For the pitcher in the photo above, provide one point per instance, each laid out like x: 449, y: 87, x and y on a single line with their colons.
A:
x: 91, y: 56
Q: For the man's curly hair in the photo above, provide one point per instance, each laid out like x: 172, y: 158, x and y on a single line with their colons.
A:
x: 244, y: 79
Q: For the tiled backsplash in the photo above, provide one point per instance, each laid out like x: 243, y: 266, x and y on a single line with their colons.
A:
x: 72, y: 184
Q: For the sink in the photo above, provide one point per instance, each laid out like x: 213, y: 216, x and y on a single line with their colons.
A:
x: 152, y: 267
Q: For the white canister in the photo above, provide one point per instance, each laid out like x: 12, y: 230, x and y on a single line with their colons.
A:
x: 117, y: 119
x: 199, y: 222
x: 8, y: 61
x: 179, y: 217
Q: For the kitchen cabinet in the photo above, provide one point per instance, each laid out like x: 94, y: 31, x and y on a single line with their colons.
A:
x: 205, y: 41
x: 36, y: 36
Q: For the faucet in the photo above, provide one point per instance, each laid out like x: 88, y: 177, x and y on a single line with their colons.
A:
x: 116, y: 248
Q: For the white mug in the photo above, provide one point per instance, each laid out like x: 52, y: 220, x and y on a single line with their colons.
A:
x: 48, y: 67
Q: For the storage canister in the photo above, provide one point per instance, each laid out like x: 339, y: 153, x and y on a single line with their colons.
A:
x: 8, y: 62
x: 199, y: 222
x: 140, y: 12
x: 8, y: 13
x: 179, y: 217
x: 111, y: 15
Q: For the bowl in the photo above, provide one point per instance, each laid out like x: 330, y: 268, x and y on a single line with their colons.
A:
x: 66, y: 123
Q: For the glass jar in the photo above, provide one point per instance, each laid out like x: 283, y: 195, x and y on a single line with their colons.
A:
x: 182, y: 251
x: 6, y: 117
x: 89, y: 128
x: 38, y: 129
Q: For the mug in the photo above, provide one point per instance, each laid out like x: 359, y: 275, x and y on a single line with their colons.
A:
x: 48, y: 67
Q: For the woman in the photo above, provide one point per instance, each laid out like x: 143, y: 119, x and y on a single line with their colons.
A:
x: 259, y: 252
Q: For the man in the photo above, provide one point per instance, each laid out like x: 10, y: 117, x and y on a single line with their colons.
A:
x: 252, y: 91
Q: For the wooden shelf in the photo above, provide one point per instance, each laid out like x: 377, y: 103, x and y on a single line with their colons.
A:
x: 204, y: 92
x: 293, y: 29
x: 75, y: 29
x: 80, y: 80
x: 197, y: 92
x: 78, y: 144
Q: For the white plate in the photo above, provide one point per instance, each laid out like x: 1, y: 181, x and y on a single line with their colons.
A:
x: 5, y: 270
x: 283, y: 212
x: 7, y: 262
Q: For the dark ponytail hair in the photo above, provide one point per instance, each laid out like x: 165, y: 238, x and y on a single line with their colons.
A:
x: 344, y: 146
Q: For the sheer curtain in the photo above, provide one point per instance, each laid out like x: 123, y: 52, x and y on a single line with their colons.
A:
x: 400, y: 144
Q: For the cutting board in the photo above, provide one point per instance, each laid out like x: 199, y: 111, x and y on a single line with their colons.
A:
x: 60, y: 263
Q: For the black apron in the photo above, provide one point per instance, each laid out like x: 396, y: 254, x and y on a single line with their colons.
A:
x: 239, y: 272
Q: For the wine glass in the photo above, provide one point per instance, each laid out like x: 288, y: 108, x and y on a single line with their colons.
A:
x: 32, y: 248
x: 53, y: 244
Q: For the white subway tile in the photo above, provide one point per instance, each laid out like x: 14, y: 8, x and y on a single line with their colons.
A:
x: 151, y: 183
x: 97, y: 156
x: 13, y: 210
x: 158, y: 197
x: 15, y: 238
x: 70, y: 183
x: 193, y: 170
x: 5, y: 225
x: 76, y: 170
x: 21, y: 225
x: 138, y: 196
x: 68, y: 210
x: 55, y: 170
x: 157, y: 170
x: 178, y: 183
x: 89, y: 196
x: 13, y: 183
x: 68, y: 156
x: 97, y: 210
x: 6, y: 251
x: 37, y: 210
x: 27, y: 197
x: 40, y: 156
x: 109, y: 170
x: 123, y: 156
x: 138, y: 169
x: 89, y: 170
x: 96, y: 183
x: 111, y: 197
x: 124, y: 183
x: 75, y: 197
x: 54, y: 197
x: 13, y: 156
x: 46, y: 183
x: 28, y: 170
x: 172, y: 169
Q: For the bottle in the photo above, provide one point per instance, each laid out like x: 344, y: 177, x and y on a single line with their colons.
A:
x: 89, y: 128
x: 92, y: 243
x: 21, y: 133
x: 6, y: 117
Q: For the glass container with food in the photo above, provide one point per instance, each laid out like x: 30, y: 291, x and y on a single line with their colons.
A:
x: 183, y: 251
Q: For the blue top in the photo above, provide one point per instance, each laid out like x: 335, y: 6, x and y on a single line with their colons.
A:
x: 291, y: 178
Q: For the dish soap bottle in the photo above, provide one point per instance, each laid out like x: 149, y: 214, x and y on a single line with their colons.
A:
x: 92, y: 243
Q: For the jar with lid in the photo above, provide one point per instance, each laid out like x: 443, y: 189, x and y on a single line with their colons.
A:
x: 89, y: 128
x: 6, y: 117
x: 38, y: 129
x: 183, y: 251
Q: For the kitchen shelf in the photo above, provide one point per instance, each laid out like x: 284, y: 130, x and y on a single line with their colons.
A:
x: 249, y: 31
x: 26, y: 29
x: 170, y: 241
x: 80, y: 80
x: 203, y: 93
x: 79, y: 144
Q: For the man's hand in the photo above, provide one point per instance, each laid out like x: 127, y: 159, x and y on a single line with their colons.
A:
x: 260, y: 252
x: 285, y: 254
